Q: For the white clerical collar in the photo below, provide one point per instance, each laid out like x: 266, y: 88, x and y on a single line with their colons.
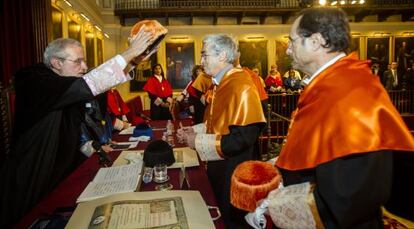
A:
x: 159, y: 78
x: 323, y: 67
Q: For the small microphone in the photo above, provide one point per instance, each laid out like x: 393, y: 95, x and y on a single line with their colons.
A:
x: 103, y: 156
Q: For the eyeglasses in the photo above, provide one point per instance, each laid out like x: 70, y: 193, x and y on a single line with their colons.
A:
x: 78, y: 61
x: 292, y: 40
x: 204, y: 55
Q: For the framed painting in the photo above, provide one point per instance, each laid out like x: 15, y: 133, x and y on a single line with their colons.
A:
x: 283, y: 61
x: 57, y: 30
x: 90, y: 49
x: 253, y: 54
x: 180, y: 61
x: 355, y: 45
x: 378, y: 51
x: 74, y: 30
x: 141, y: 73
x: 404, y: 52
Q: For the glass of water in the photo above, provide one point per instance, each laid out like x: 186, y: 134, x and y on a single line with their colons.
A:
x: 160, y: 176
x: 160, y: 173
x: 147, y: 177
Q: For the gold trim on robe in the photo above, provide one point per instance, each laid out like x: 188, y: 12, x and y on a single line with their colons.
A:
x: 235, y: 102
x: 345, y: 110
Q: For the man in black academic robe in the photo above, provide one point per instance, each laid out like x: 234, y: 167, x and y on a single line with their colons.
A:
x: 46, y: 134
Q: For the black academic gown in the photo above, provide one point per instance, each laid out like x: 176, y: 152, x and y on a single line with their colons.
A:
x: 238, y: 146
x: 336, y: 182
x: 45, y: 139
x: 199, y: 107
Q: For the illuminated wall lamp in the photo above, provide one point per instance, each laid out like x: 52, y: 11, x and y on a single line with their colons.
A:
x: 97, y: 27
x: 381, y: 34
x: 68, y: 3
x: 255, y: 38
x: 179, y: 38
x: 408, y: 33
x: 84, y: 16
x: 106, y: 35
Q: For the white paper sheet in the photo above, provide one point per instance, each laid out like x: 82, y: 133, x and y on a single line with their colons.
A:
x: 129, y: 130
x: 108, y: 181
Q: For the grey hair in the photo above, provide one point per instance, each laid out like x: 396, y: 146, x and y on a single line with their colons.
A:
x: 223, y: 43
x: 57, y: 48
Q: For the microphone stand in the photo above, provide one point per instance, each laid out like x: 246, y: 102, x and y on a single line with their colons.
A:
x: 104, y: 158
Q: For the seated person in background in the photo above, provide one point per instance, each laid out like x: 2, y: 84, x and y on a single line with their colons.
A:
x: 189, y: 97
x: 201, y: 85
x: 96, y: 126
x: 292, y: 84
x: 257, y: 81
x: 117, y: 110
x: 257, y: 72
x: 288, y: 72
x: 160, y: 92
x: 274, y: 83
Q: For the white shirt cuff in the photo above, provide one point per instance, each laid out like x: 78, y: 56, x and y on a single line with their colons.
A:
x: 200, y: 128
x: 121, y: 61
x: 206, y: 147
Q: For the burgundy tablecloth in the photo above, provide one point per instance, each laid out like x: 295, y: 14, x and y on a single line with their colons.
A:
x: 65, y: 195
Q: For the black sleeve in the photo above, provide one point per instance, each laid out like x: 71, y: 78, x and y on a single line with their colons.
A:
x: 153, y: 97
x: 350, y: 190
x: 240, y: 138
x: 77, y: 92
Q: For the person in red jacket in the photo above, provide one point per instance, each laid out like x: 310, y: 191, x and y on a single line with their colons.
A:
x: 160, y: 93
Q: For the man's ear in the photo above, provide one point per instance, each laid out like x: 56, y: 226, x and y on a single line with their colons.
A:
x: 317, y: 41
x: 56, y: 63
x: 222, y: 56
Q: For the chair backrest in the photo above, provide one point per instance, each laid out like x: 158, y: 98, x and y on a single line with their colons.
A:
x: 135, y: 107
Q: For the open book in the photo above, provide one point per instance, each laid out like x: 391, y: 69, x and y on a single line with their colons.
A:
x: 171, y: 209
x: 108, y: 181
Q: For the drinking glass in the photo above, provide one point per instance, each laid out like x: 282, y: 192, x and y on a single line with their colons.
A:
x: 160, y: 173
x: 160, y: 176
x: 147, y: 177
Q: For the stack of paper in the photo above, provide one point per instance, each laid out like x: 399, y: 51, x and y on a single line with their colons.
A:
x: 108, y: 181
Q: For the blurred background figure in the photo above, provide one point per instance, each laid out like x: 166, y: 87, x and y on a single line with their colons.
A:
x: 274, y: 83
x: 257, y: 72
x: 201, y: 85
x: 391, y: 77
x: 288, y: 72
x: 160, y: 92
x: 118, y: 110
x: 189, y: 100
x: 292, y: 83
x: 96, y: 126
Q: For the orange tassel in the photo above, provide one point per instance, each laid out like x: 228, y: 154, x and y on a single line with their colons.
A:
x: 252, y: 181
